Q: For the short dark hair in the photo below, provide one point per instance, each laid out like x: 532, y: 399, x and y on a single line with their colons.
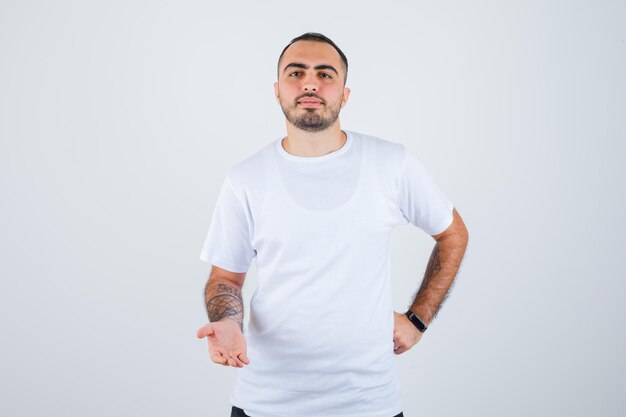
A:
x: 317, y: 37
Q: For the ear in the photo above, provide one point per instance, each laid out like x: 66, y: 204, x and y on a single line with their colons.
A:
x: 346, y: 95
x: 276, y: 95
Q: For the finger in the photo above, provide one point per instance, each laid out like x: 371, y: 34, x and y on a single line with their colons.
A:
x: 240, y: 362
x: 401, y: 348
x: 205, y: 331
x: 225, y: 359
x: 226, y: 362
x: 235, y: 361
x: 218, y: 357
x: 236, y: 357
x: 244, y: 358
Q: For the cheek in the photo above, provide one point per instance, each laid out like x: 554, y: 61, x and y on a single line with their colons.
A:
x: 334, y: 94
x: 288, y: 92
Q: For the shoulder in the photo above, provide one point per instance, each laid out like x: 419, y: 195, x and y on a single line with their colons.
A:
x: 250, y: 167
x: 387, y: 154
x: 247, y: 173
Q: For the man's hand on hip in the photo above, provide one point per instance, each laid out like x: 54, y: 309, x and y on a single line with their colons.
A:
x: 405, y: 334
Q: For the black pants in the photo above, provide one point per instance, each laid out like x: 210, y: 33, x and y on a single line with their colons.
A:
x: 238, y: 412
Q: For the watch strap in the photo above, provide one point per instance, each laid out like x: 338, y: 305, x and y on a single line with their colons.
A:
x: 416, y: 321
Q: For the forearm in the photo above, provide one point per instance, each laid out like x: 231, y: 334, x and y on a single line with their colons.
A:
x: 442, y: 268
x: 223, y: 301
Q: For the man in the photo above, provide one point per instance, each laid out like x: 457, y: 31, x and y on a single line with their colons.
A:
x: 316, y: 208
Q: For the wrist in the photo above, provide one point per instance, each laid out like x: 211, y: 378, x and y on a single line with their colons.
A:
x: 231, y: 320
x: 416, y: 320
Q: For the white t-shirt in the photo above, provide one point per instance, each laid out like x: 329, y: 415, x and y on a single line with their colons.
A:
x: 320, y: 335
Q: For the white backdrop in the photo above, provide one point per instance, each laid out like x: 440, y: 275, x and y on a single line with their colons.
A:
x: 119, y: 120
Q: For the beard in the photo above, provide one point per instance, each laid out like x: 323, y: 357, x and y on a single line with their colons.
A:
x: 312, y: 120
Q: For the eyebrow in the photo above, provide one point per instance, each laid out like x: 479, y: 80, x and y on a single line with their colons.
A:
x: 303, y: 66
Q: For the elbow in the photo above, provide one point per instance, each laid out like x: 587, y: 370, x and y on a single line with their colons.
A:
x: 456, y: 232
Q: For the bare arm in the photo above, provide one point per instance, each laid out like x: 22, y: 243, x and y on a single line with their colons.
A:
x: 442, y: 268
x: 222, y: 296
x: 224, y: 306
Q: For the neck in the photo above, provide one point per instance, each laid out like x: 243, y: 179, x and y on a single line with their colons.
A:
x: 303, y: 143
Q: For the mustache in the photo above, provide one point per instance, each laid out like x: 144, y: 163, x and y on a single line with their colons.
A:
x: 311, y: 95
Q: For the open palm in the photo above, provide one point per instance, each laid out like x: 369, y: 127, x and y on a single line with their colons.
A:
x: 227, y: 344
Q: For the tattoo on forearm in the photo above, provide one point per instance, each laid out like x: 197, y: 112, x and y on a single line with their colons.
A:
x: 224, y: 301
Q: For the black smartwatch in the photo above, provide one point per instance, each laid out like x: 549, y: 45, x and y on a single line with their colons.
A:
x: 416, y: 321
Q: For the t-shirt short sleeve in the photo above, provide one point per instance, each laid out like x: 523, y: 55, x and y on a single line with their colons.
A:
x: 227, y: 244
x: 420, y: 201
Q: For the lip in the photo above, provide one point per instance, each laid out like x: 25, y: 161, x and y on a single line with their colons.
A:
x: 310, y: 102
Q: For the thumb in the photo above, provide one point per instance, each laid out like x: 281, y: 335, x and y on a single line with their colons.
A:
x: 205, y: 331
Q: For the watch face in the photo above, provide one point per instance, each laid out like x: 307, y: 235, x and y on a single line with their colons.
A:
x: 417, y: 322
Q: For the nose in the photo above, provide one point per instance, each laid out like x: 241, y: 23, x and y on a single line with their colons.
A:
x: 310, y: 84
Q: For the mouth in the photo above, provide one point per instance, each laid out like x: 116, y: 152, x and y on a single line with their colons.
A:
x: 310, y: 102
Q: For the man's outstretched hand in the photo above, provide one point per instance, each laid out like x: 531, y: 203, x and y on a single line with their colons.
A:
x: 227, y: 345
x: 405, y: 334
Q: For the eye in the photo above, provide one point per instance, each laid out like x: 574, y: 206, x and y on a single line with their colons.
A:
x: 326, y: 75
x: 295, y: 72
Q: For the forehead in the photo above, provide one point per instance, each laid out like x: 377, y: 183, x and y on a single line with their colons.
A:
x: 312, y: 53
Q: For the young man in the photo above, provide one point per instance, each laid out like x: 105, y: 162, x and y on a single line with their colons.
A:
x: 317, y: 208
